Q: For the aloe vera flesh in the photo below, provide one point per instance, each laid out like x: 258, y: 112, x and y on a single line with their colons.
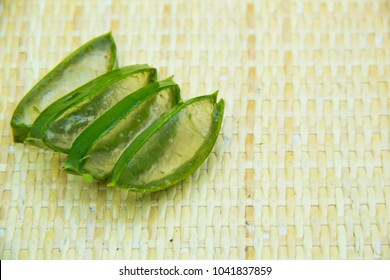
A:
x: 92, y: 59
x: 61, y: 123
x: 99, y: 147
x: 172, y: 148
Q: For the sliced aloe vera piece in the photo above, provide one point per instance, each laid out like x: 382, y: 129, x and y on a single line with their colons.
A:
x: 171, y: 148
x: 59, y: 125
x: 91, y: 60
x: 96, y: 150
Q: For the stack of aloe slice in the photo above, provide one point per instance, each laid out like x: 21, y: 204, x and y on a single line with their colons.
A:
x: 118, y: 124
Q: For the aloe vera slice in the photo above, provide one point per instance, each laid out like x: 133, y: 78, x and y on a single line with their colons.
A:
x: 96, y: 150
x: 171, y: 148
x: 91, y: 60
x: 59, y: 125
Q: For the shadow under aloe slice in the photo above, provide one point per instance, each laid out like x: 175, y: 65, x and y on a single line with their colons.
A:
x: 91, y: 60
x: 59, y: 124
x: 96, y: 150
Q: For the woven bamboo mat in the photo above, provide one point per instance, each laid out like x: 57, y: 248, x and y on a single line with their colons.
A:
x: 301, y: 169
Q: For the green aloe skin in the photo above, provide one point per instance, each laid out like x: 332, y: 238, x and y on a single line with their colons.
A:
x: 91, y: 60
x: 97, y: 149
x: 60, y: 124
x: 170, y: 149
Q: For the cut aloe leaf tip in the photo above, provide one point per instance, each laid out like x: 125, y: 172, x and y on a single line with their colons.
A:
x: 91, y: 60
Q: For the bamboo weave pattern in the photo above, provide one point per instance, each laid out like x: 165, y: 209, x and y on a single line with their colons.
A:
x: 301, y: 169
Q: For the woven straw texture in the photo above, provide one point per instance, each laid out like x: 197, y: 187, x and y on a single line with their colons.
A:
x: 301, y: 169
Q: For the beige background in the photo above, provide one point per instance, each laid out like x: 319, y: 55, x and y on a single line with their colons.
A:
x: 301, y: 169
